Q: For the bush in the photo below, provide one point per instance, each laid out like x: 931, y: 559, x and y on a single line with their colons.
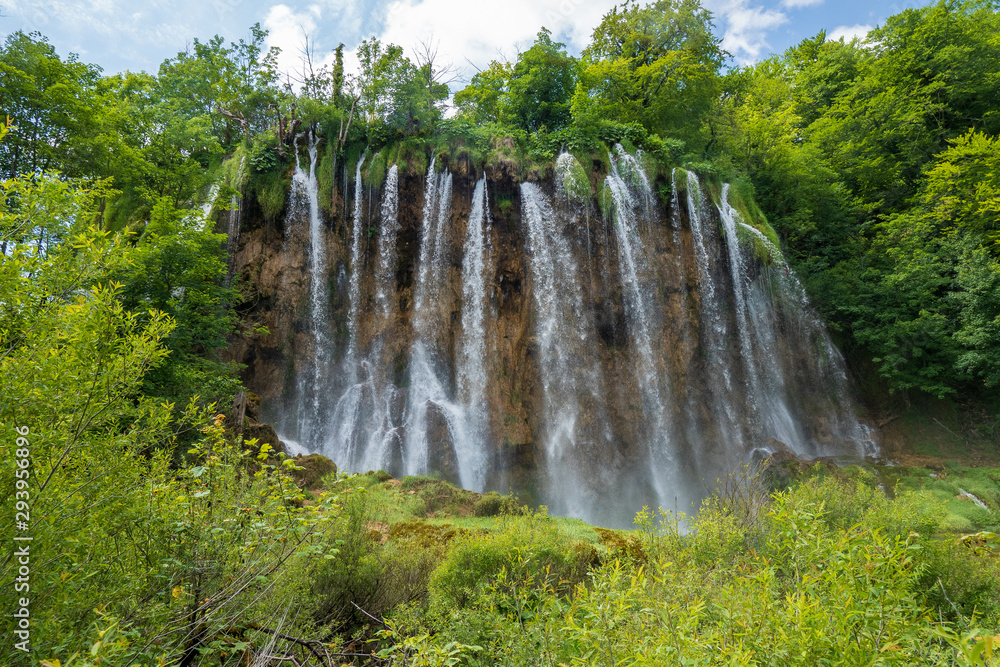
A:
x: 526, y: 549
x: 829, y: 572
x: 365, y: 573
x: 490, y: 504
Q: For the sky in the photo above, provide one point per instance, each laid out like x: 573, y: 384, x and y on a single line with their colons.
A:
x: 128, y: 35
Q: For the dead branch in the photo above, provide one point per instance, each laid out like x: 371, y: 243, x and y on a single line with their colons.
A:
x: 237, y: 117
x: 379, y: 621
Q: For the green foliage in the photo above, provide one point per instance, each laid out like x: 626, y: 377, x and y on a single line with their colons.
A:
x: 396, y: 96
x: 121, y: 526
x: 876, y: 164
x: 931, y: 305
x: 832, y: 571
x: 532, y: 94
x: 50, y: 102
x: 366, y: 573
x: 178, y: 268
x: 266, y: 177
x: 494, y: 504
x: 655, y: 65
x: 525, y: 548
x: 486, y: 98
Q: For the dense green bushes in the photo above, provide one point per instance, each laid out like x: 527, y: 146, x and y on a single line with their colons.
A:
x: 830, y: 572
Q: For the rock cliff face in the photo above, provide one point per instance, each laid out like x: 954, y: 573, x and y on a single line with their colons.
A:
x: 595, y: 353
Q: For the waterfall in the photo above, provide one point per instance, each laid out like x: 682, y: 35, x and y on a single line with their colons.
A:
x: 385, y: 276
x: 431, y: 233
x: 472, y: 362
x: 357, y: 266
x: 597, y: 369
x: 428, y: 395
x: 570, y: 376
x: 630, y: 199
x: 209, y: 203
x: 773, y: 316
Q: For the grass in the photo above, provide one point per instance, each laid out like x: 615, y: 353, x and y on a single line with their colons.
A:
x: 946, y: 489
x: 428, y: 504
x: 523, y: 587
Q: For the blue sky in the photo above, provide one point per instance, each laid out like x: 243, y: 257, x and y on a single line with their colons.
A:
x: 124, y: 34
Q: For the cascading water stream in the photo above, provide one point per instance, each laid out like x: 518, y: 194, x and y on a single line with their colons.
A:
x: 209, y: 203
x: 357, y: 266
x: 344, y: 443
x: 639, y: 307
x: 312, y: 382
x: 472, y: 363
x: 569, y: 372
x: 385, y: 275
x: 367, y: 434
x: 428, y: 395
x: 726, y: 406
x: 755, y: 318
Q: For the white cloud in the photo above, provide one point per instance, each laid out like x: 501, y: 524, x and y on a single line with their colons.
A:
x: 287, y: 30
x: 848, y: 32
x: 797, y: 4
x: 746, y: 27
x: 479, y: 32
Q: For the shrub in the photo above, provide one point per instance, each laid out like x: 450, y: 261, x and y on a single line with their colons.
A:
x: 526, y: 548
x: 364, y: 573
x: 490, y: 504
x: 309, y: 470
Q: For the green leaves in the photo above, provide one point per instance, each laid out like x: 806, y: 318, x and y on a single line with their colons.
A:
x: 877, y: 163
x: 657, y: 65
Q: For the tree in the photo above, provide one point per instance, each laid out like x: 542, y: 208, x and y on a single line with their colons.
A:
x: 656, y: 65
x: 486, y: 98
x: 172, y: 549
x: 178, y: 266
x: 542, y: 84
x: 52, y: 105
x: 233, y: 87
x: 926, y: 78
x: 394, y: 93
